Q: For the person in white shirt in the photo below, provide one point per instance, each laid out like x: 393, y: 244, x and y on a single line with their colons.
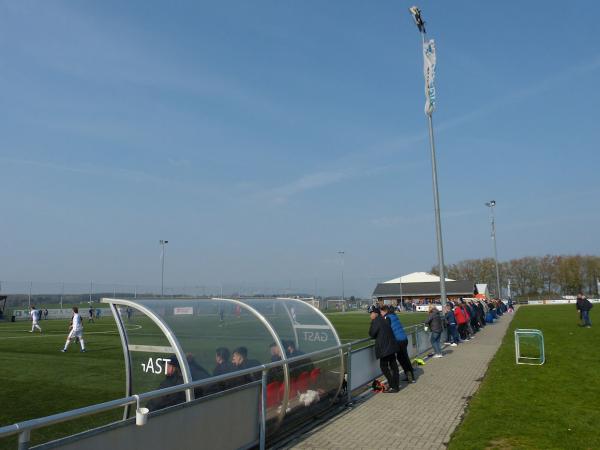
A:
x: 35, y: 316
x: 75, y: 330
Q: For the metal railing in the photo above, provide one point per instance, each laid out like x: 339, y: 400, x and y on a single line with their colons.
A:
x: 24, y: 429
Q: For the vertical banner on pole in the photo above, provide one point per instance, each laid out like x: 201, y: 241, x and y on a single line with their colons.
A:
x: 429, y: 73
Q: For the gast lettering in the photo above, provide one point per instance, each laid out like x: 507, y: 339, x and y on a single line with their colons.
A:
x: 156, y: 366
x: 315, y: 336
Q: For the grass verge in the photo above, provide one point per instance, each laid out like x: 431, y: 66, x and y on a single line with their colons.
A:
x: 539, y: 407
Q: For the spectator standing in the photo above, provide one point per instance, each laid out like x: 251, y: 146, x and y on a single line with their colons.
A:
x: 385, y: 348
x: 480, y: 313
x: 46, y: 314
x: 452, y: 326
x: 583, y: 306
x: 461, y: 321
x: 434, y: 322
x: 402, y: 341
x: 474, y: 321
x: 91, y: 315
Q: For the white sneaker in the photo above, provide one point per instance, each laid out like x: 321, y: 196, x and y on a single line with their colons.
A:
x: 439, y: 355
x: 453, y: 344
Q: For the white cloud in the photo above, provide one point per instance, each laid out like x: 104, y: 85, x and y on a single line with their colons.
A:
x: 305, y: 183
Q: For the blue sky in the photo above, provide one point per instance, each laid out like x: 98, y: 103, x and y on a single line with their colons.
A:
x: 260, y: 138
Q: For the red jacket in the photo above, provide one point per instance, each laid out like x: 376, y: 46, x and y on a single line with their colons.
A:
x: 462, y: 316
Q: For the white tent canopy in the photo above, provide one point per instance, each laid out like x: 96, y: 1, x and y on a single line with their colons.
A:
x: 482, y: 289
x: 417, y: 277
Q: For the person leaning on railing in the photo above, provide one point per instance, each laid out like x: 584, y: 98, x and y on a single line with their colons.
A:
x: 434, y: 323
x: 402, y: 340
x: 385, y: 348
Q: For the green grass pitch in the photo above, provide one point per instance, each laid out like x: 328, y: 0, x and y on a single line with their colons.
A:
x: 554, y: 406
x: 37, y: 380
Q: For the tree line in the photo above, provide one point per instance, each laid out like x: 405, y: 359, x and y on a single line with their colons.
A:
x: 533, y: 276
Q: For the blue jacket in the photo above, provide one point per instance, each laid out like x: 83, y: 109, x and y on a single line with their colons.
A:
x: 397, y: 327
x: 450, y: 319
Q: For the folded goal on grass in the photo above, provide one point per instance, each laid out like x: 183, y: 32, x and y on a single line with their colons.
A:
x: 529, y: 347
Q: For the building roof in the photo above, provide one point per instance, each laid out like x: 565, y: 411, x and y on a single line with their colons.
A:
x: 417, y: 277
x: 427, y: 289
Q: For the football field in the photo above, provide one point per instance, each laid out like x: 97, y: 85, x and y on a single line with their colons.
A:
x: 38, y: 380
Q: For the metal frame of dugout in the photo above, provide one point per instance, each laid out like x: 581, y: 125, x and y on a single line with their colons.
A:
x: 192, y: 329
x: 215, y: 419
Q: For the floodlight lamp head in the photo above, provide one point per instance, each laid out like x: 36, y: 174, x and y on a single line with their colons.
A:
x: 416, y: 13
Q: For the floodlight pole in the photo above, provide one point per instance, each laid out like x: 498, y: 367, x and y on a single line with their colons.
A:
x: 436, y: 195
x: 162, y: 274
x: 492, y: 204
x: 341, y: 253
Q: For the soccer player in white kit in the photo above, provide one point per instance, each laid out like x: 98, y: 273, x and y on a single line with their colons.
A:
x: 76, y: 330
x: 35, y: 315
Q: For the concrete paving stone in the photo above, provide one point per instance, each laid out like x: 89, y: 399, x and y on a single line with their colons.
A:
x: 426, y: 413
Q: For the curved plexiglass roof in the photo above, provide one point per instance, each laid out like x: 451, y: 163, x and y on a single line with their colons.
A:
x: 172, y: 341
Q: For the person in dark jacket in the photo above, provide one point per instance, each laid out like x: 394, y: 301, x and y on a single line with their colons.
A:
x: 300, y: 366
x: 173, y: 378
x: 434, y: 323
x: 583, y: 306
x: 402, y: 341
x: 480, y: 313
x: 385, y: 348
x: 240, y: 361
x: 223, y: 366
x: 452, y: 326
x: 474, y: 313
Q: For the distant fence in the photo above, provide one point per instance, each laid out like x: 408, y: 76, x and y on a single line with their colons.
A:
x: 23, y: 314
x: 558, y: 301
x: 25, y: 293
x: 94, y: 289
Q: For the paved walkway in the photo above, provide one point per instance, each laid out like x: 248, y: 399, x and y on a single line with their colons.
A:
x: 422, y: 415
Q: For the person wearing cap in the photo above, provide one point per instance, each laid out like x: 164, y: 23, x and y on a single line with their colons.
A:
x: 173, y: 378
x: 386, y: 348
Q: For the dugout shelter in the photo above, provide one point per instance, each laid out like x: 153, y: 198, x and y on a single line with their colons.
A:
x: 186, y: 333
